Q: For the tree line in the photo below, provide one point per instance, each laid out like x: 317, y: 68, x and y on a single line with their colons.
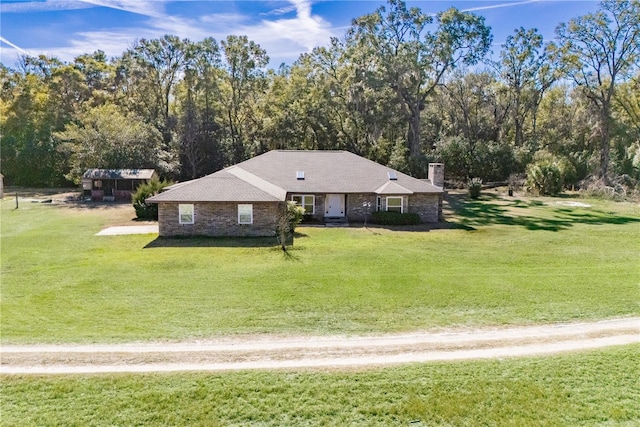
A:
x: 401, y: 87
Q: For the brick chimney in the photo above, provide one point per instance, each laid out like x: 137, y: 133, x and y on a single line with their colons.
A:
x: 436, y: 174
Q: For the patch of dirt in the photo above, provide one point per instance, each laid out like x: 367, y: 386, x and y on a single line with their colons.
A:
x: 119, y: 213
x: 572, y: 204
x: 276, y: 352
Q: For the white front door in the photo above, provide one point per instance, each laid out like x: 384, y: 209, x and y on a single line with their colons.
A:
x: 334, y: 205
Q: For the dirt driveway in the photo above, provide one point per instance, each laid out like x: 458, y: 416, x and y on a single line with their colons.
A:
x: 276, y: 352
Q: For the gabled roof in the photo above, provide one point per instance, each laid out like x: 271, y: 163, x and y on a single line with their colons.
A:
x: 221, y: 186
x: 392, y: 188
x: 119, y: 174
x: 272, y: 175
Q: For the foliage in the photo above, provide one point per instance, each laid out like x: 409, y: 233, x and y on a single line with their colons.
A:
x: 528, y: 72
x: 621, y: 188
x: 413, y: 60
x: 488, y: 160
x: 400, y: 88
x: 544, y: 176
x: 291, y: 216
x: 395, y: 218
x: 549, y: 174
x: 103, y: 137
x: 597, y: 50
x: 144, y: 210
x: 475, y: 187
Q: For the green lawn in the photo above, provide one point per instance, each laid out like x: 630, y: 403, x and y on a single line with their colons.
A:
x: 498, y: 261
x: 585, y: 389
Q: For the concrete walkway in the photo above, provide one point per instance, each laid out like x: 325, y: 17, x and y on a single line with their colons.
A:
x: 129, y: 229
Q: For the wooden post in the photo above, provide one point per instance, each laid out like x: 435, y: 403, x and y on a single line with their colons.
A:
x: 16, y: 200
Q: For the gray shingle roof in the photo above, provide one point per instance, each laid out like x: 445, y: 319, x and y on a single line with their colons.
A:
x: 119, y: 174
x: 328, y: 172
x: 221, y: 186
x: 270, y: 176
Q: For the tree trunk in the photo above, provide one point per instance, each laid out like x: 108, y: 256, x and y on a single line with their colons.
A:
x: 413, y: 137
x: 605, y: 143
x: 519, y: 132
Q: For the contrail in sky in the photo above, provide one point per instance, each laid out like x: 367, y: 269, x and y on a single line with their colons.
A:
x: 16, y: 47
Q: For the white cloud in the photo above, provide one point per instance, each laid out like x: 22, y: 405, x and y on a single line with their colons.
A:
x: 500, y: 5
x: 45, y: 6
x: 284, y: 38
x: 154, y: 9
x: 305, y: 30
x: 280, y: 11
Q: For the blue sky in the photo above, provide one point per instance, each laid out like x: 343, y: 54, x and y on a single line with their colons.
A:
x: 68, y: 28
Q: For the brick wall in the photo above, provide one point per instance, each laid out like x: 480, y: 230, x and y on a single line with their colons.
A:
x: 428, y: 206
x: 218, y: 219
x: 355, y: 209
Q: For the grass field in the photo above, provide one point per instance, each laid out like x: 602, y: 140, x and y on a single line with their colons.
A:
x: 586, y: 389
x: 497, y: 261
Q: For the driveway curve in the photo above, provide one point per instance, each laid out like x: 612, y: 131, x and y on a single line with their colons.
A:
x: 278, y: 352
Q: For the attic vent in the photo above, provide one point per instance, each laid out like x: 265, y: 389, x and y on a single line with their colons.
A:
x: 392, y: 175
x: 300, y: 175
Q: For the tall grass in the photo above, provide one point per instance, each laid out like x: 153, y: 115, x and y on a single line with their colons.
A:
x: 499, y: 262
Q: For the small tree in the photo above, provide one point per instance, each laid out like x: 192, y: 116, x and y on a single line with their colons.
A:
x: 475, y: 187
x: 288, y: 220
x: 143, y: 209
x: 544, y: 175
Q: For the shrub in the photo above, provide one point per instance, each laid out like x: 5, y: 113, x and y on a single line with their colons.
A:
x: 475, y: 186
x: 545, y: 174
x: 492, y: 161
x: 139, y: 199
x: 619, y: 188
x: 295, y: 214
x: 395, y: 218
x: 288, y: 220
x: 544, y: 178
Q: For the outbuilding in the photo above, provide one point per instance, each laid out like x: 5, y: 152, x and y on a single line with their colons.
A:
x: 109, y: 185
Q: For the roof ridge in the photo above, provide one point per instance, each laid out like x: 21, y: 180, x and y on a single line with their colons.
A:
x: 395, y: 186
x: 258, y: 182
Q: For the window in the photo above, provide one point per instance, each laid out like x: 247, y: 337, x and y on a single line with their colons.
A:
x: 307, y: 202
x: 185, y: 214
x: 395, y: 204
x: 378, y: 204
x: 245, y: 214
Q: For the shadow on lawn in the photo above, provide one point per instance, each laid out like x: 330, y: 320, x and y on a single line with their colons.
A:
x: 490, y: 210
x: 216, y: 242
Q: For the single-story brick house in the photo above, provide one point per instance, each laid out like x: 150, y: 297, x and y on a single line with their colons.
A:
x: 246, y: 199
x: 114, y: 184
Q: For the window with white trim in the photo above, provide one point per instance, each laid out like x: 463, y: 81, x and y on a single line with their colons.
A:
x: 185, y: 214
x: 395, y: 204
x: 307, y: 201
x: 245, y: 214
x: 378, y: 203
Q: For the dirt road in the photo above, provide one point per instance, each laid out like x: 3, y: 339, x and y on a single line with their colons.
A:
x: 276, y: 352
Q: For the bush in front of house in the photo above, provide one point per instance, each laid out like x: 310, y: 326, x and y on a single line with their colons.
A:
x: 475, y: 187
x: 288, y: 220
x: 395, y: 218
x: 144, y: 210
